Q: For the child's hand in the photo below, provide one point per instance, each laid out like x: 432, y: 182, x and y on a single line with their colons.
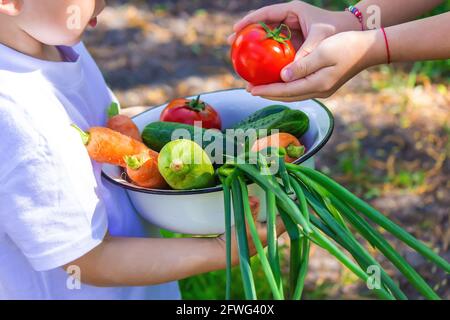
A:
x: 319, y: 74
x: 262, y: 232
x: 309, y: 24
x: 148, y: 261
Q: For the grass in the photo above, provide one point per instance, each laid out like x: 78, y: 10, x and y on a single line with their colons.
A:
x: 211, y: 286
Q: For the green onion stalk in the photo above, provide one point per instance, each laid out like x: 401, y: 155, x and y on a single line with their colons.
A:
x: 314, y: 210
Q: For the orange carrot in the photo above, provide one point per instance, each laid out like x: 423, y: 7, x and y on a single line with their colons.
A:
x: 294, y: 149
x: 108, y: 146
x: 143, y: 171
x: 122, y: 123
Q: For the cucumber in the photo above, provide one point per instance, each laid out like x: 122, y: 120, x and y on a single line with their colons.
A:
x: 157, y: 134
x: 262, y: 113
x: 290, y: 121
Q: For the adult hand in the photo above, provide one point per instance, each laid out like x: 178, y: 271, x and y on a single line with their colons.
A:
x: 331, y: 64
x: 309, y: 24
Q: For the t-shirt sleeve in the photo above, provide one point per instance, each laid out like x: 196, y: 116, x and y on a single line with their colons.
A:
x: 49, y: 201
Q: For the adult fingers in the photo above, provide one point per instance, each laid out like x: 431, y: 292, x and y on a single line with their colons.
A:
x: 297, y: 37
x: 311, y: 42
x: 231, y: 38
x: 270, y: 14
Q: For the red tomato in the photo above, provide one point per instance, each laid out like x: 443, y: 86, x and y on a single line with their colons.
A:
x: 259, y: 54
x: 189, y: 111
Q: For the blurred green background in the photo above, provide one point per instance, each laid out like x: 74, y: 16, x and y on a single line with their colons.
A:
x: 391, y: 144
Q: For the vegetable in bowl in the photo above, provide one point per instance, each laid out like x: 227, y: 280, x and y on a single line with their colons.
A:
x: 315, y: 209
x: 142, y: 170
x: 185, y: 166
x: 193, y: 112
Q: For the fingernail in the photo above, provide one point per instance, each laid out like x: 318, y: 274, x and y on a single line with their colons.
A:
x: 287, y: 74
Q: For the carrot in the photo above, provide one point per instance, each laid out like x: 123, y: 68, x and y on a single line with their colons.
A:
x: 294, y: 149
x: 108, y: 146
x: 143, y: 171
x: 122, y: 123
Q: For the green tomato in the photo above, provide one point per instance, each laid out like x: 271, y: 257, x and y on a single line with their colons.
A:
x: 185, y: 165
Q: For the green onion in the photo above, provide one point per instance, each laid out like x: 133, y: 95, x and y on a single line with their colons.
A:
x: 282, y: 172
x: 292, y: 228
x: 359, y: 252
x: 299, y: 267
x: 334, y: 211
x: 258, y: 245
x: 413, y: 277
x: 295, y: 235
x: 322, y: 241
x: 269, y: 183
x: 377, y: 240
x: 374, y: 215
x: 272, y: 240
x: 227, y: 204
x: 241, y: 235
x: 306, y: 245
x: 347, y: 240
x: 294, y: 263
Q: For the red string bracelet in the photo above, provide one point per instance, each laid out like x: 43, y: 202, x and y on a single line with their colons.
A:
x: 388, y: 51
x: 355, y: 11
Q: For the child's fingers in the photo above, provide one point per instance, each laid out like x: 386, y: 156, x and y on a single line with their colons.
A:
x: 302, y: 67
x: 271, y: 14
x: 287, y: 90
x: 293, y: 99
x: 316, y: 85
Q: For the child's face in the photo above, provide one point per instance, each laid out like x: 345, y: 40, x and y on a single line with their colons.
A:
x: 58, y: 22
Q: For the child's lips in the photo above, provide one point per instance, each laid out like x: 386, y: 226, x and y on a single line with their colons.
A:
x: 93, y: 22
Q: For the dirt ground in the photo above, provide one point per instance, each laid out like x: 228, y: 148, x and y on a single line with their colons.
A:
x: 391, y: 144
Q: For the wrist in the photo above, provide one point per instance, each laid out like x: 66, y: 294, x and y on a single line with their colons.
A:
x: 218, y: 254
x: 375, y: 46
x: 346, y: 21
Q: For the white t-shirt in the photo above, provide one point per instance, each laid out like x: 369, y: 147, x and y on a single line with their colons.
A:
x: 54, y: 206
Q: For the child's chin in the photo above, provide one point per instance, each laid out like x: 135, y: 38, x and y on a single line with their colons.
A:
x: 70, y: 41
x: 72, y: 38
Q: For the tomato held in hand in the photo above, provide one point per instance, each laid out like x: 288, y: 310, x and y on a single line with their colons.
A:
x: 190, y: 111
x: 259, y: 54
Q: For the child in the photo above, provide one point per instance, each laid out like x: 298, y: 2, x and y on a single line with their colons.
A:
x: 334, y: 50
x: 55, y: 211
